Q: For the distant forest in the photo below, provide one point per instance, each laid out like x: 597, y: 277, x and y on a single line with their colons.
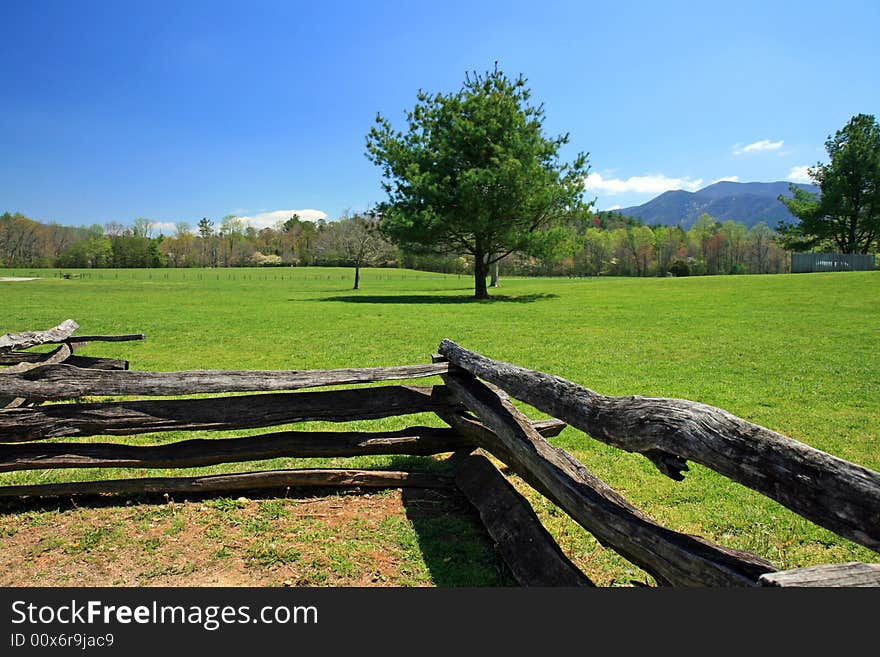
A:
x: 609, y: 245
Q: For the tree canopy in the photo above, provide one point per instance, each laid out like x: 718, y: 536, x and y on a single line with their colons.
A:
x: 474, y: 174
x: 846, y: 214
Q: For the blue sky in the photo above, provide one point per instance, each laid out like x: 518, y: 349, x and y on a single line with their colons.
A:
x: 175, y: 111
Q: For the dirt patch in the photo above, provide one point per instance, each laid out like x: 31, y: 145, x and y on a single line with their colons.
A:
x: 341, y: 539
x: 12, y: 279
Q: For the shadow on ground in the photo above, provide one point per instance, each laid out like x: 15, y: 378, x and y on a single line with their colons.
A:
x: 434, y: 299
x: 453, y: 541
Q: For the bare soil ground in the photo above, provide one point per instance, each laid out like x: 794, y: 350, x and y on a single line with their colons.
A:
x: 338, y: 539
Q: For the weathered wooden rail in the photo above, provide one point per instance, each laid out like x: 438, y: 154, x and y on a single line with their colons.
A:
x: 473, y: 401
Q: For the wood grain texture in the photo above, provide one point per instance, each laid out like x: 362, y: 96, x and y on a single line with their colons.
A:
x: 527, y: 548
x: 197, y: 452
x: 832, y: 492
x: 830, y: 575
x: 64, y: 381
x: 219, y: 413
x: 27, y: 339
x: 240, y: 481
x: 59, y: 355
x: 672, y: 558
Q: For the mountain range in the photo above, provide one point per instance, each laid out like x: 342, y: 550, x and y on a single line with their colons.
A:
x: 747, y: 203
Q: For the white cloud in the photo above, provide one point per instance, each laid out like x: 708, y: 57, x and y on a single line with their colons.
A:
x: 273, y: 217
x: 726, y: 179
x: 758, y: 146
x: 613, y: 207
x: 650, y: 184
x: 163, y: 228
x: 799, y: 174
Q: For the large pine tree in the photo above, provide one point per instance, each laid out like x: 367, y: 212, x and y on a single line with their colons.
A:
x: 474, y: 174
x: 846, y: 213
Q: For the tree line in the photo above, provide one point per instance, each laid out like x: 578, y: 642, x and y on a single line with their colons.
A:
x: 614, y: 245
x: 351, y: 240
x: 609, y: 245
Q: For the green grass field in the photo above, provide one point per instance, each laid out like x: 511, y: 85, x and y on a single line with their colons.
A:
x: 795, y: 353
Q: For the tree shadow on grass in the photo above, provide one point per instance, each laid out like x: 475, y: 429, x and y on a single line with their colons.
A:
x: 453, y: 540
x: 435, y: 299
x: 455, y: 545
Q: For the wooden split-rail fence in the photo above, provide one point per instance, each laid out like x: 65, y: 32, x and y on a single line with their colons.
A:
x: 474, y: 402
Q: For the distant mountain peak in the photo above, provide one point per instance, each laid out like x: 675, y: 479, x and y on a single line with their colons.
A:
x: 745, y: 202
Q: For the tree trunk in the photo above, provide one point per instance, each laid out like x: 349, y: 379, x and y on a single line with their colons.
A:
x: 480, y: 273
x: 357, y: 276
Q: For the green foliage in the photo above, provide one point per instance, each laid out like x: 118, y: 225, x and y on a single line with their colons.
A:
x: 846, y: 214
x: 474, y: 174
x: 28, y: 243
x: 88, y: 253
x: 206, y: 228
x: 679, y: 268
x: 132, y: 249
x: 621, y: 246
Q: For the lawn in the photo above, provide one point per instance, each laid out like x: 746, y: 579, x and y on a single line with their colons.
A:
x: 795, y: 353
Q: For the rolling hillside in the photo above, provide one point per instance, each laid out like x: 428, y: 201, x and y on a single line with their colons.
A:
x: 748, y: 203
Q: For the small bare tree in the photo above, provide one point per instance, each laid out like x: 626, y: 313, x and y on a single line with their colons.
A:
x: 355, y: 241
